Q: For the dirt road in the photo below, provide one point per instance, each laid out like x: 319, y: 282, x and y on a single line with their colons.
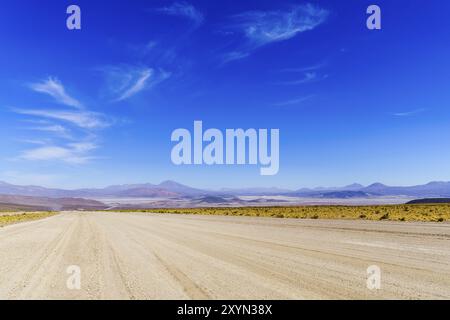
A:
x: 150, y: 256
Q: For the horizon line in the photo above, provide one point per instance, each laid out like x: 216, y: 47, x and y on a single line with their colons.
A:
x: 224, y: 187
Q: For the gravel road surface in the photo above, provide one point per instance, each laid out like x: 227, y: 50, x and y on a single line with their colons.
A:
x: 154, y: 256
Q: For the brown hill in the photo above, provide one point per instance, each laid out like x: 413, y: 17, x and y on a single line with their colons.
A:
x: 26, y: 203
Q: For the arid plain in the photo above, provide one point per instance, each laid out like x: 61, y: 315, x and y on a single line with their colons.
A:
x: 166, y: 256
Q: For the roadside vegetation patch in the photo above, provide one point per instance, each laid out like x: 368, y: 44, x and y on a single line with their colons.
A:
x: 403, y: 213
x: 16, y: 217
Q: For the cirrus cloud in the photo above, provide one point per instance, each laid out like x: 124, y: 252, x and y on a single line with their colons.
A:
x: 82, y: 119
x: 125, y: 82
x: 79, y: 126
x: 73, y: 153
x: 55, y: 89
x: 260, y: 28
x: 183, y: 9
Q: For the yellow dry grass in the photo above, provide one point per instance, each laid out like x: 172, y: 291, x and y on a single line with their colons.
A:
x: 422, y: 212
x: 15, y: 217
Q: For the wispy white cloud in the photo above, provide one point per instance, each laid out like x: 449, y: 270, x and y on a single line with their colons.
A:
x: 308, y: 77
x: 125, y: 82
x: 160, y: 54
x: 260, y: 28
x: 55, y: 129
x: 234, y: 55
x: 296, y: 101
x: 33, y: 141
x: 146, y: 48
x: 74, y: 153
x: 82, y: 119
x: 408, y: 113
x: 55, y: 89
x: 184, y: 9
x: 312, y: 67
x: 139, y: 84
x: 67, y: 135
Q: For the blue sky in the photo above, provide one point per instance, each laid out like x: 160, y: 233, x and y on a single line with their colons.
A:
x: 97, y: 106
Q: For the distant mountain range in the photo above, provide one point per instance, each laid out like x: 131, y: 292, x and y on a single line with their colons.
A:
x: 432, y: 189
x: 147, y: 190
x: 27, y: 203
x: 168, y: 189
